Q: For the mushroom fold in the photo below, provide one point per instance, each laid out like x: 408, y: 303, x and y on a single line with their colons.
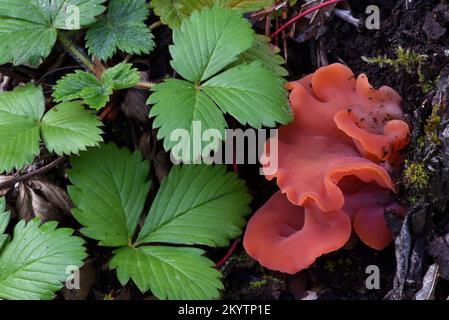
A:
x: 333, y: 170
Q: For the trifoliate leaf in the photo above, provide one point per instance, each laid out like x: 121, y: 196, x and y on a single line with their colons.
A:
x: 179, y: 105
x: 264, y: 52
x: 122, y: 76
x: 252, y: 94
x: 197, y: 204
x: 68, y: 128
x: 123, y: 28
x: 109, y: 191
x: 170, y: 273
x: 95, y: 93
x: 36, y: 262
x: 20, y: 113
x: 209, y: 41
x: 28, y: 28
x: 4, y: 220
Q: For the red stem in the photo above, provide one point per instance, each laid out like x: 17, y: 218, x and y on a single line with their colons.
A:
x: 303, y: 14
x: 229, y: 254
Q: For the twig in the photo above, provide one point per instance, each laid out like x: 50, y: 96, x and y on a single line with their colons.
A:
x: 73, y: 50
x: 229, y: 254
x: 303, y: 14
x: 45, y: 169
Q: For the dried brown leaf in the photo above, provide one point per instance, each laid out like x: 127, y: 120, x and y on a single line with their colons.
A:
x: 134, y: 105
x: 42, y: 199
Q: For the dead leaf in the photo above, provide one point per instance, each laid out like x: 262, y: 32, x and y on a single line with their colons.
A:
x: 439, y: 248
x: 429, y: 283
x: 3, y: 179
x: 134, y: 106
x: 313, y: 25
x: 42, y: 199
x: 159, y: 159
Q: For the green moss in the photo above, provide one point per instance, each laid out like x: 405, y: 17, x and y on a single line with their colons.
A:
x: 432, y: 124
x: 415, y: 175
x: 407, y: 59
x: 257, y: 284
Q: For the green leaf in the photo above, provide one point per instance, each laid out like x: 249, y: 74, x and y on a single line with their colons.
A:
x: 68, y: 128
x: 173, y: 12
x: 189, y: 106
x: 123, y: 28
x: 170, y: 273
x: 121, y: 76
x: 252, y: 94
x: 109, y: 191
x: 197, y: 205
x: 209, y: 41
x: 28, y: 28
x: 83, y: 85
x: 20, y: 113
x: 70, y: 86
x: 97, y: 97
x: 33, y: 265
x: 4, y: 220
x: 245, y: 5
x: 267, y: 54
x: 96, y: 93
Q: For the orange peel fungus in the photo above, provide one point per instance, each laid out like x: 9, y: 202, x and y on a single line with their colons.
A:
x: 334, y: 171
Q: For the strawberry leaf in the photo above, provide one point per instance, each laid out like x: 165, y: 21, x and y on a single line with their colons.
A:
x: 109, y: 190
x: 252, y: 94
x: 20, y: 113
x: 192, y: 205
x: 123, y: 28
x: 28, y: 28
x: 209, y: 41
x: 68, y: 128
x: 4, y: 220
x: 34, y: 264
x: 173, y: 12
x: 244, y: 5
x: 95, y: 93
x: 267, y: 54
x: 121, y: 76
x: 156, y: 268
x: 190, y: 105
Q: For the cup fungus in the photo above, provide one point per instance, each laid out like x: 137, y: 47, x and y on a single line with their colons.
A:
x: 334, y: 167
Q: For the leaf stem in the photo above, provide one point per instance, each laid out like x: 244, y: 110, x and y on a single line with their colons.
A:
x: 303, y: 14
x: 73, y: 50
x: 155, y: 25
x: 145, y: 85
x: 48, y: 167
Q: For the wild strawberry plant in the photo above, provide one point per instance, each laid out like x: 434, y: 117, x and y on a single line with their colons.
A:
x: 222, y: 67
x: 195, y: 205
